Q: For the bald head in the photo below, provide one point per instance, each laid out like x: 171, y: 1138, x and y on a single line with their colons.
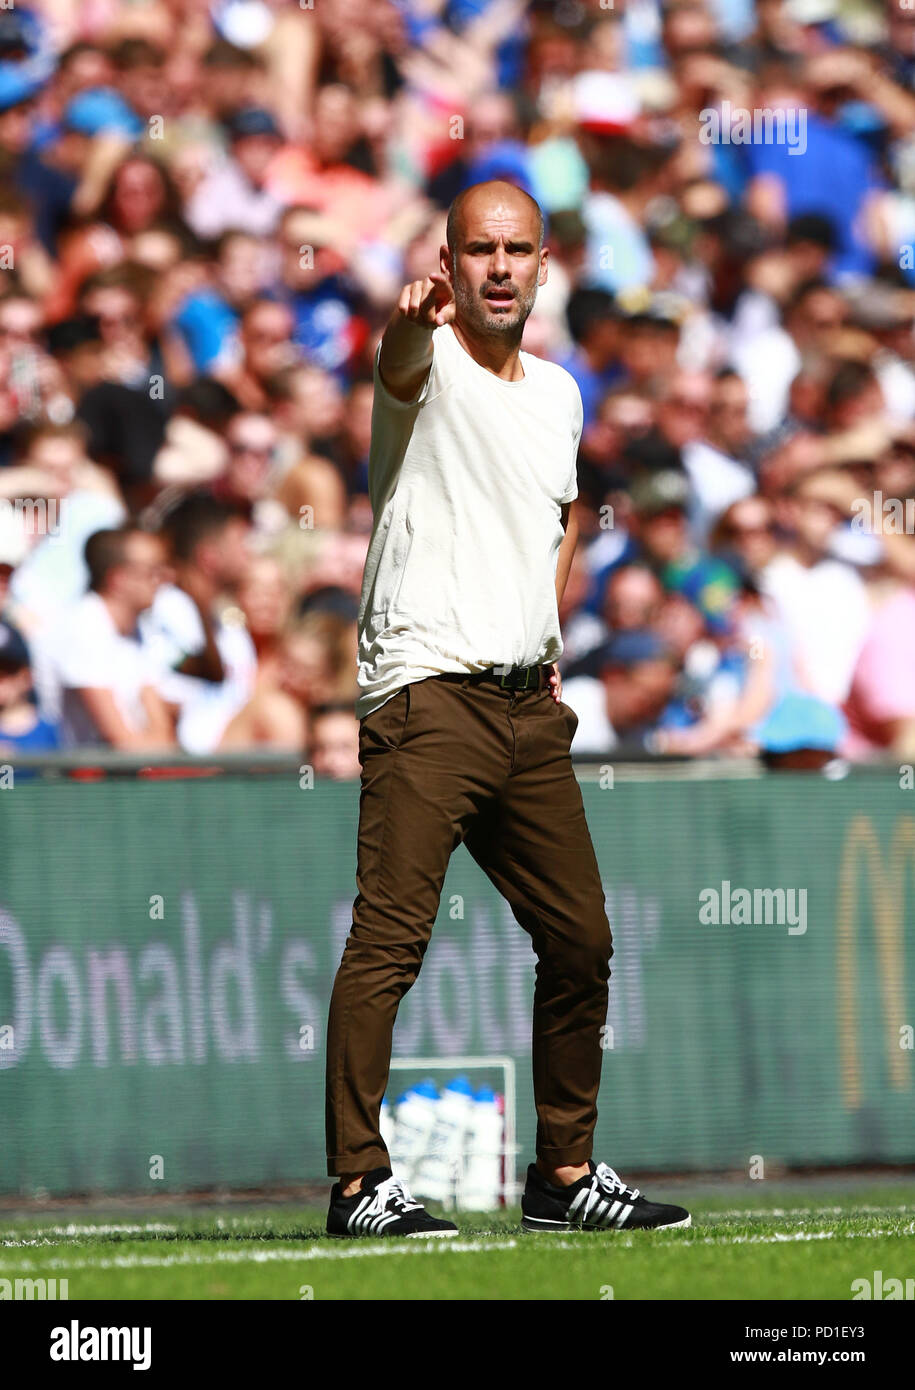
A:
x: 495, y: 259
x: 483, y: 196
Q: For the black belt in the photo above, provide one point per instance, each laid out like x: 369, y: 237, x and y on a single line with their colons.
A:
x: 516, y: 677
x: 505, y: 677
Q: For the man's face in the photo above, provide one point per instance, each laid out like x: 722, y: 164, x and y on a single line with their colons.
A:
x: 226, y: 554
x: 358, y: 425
x: 813, y: 520
x: 682, y: 416
x: 58, y: 457
x: 253, y: 153
x: 263, y: 596
x: 309, y: 255
x: 648, y: 350
x: 305, y: 668
x: 144, y: 569
x: 117, y: 312
x: 14, y: 686
x: 252, y: 443
x: 750, y: 531
x: 633, y: 598
x: 20, y: 320
x: 240, y: 270
x: 638, y: 695
x: 729, y: 413
x: 817, y: 318
x: 336, y: 123
x: 266, y: 334
x: 497, y: 266
x: 664, y: 534
x: 335, y: 746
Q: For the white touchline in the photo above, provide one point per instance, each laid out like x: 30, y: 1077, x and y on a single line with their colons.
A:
x: 388, y: 1248
x: 401, y: 1247
x: 40, y: 1234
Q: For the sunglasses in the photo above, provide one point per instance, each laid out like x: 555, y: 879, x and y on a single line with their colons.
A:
x: 252, y: 450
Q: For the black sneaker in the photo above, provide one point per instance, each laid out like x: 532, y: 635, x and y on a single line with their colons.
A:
x: 382, y: 1207
x: 601, y: 1201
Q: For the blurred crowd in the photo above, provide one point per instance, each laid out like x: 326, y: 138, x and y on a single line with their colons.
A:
x: 207, y: 211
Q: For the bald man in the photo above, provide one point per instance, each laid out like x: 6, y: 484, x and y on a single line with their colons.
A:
x: 463, y: 734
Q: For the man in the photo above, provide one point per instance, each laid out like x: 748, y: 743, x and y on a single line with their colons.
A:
x: 659, y: 523
x: 628, y: 683
x: 822, y: 600
x: 463, y: 733
x: 206, y: 662
x: 22, y: 728
x: 77, y: 498
x: 714, y: 460
x: 107, y: 682
x: 335, y: 742
x: 232, y: 195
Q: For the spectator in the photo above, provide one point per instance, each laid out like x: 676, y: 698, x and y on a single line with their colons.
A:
x: 106, y: 679
x: 715, y: 461
x: 316, y: 667
x: 63, y: 497
x: 190, y: 308
x: 334, y: 748
x: 619, y: 706
x: 22, y: 729
x: 205, y: 659
x: 233, y: 195
x: 822, y: 601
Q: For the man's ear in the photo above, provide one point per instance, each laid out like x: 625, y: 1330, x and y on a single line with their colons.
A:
x: 544, y: 261
x: 444, y: 260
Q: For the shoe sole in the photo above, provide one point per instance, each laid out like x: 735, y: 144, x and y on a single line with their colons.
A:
x: 534, y: 1225
x: 413, y: 1235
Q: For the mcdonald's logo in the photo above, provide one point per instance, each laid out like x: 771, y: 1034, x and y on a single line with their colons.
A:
x: 887, y: 881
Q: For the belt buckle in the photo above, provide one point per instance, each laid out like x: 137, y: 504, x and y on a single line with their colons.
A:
x: 505, y: 682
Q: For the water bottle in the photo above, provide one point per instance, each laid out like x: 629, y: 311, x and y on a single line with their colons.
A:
x: 414, y: 1121
x: 482, y: 1184
x: 439, y: 1172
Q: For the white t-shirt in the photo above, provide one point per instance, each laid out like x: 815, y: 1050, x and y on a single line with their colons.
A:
x: 717, y: 481
x: 466, y: 483
x: 826, y: 611
x: 88, y: 652
x: 588, y: 698
x: 171, y: 630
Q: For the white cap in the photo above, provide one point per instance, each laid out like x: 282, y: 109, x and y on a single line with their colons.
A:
x: 13, y: 543
x: 604, y: 99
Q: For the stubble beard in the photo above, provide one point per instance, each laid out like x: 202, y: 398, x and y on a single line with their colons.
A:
x: 471, y: 306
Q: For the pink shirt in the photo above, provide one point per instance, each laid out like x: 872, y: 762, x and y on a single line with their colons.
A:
x: 883, y: 686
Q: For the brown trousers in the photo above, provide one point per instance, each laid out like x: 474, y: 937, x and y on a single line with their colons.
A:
x: 456, y: 758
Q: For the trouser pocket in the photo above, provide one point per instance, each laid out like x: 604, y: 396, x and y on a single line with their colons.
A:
x: 385, y: 727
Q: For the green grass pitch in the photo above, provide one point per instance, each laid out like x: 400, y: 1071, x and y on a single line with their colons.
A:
x: 748, y: 1241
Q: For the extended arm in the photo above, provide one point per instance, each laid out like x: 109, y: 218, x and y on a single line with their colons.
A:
x: 406, y: 345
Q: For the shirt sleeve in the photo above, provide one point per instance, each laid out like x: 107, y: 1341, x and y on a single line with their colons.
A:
x: 571, y: 489
x: 172, y: 629
x: 82, y: 654
x: 421, y: 395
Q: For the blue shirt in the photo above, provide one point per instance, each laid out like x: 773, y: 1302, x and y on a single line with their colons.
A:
x: 833, y: 176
